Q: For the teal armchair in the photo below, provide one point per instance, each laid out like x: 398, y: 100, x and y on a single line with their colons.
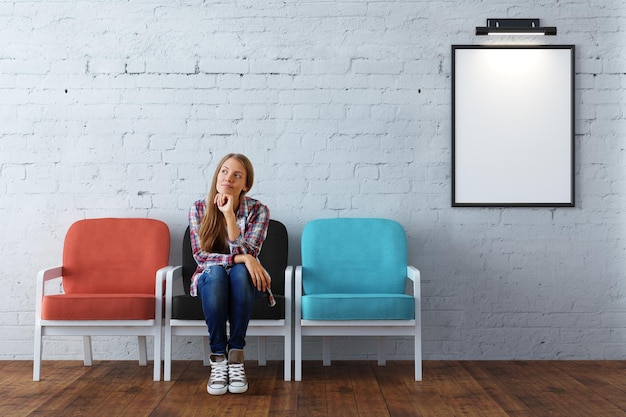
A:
x: 352, y: 282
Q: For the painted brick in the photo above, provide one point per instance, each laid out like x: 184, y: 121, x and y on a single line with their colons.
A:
x: 344, y: 108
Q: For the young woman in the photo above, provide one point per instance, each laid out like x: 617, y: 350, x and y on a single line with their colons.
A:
x: 227, y: 230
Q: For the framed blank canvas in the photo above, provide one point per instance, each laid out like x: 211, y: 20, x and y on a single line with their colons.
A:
x: 513, y: 126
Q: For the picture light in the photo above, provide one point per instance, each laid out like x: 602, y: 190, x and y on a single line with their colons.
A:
x: 514, y: 27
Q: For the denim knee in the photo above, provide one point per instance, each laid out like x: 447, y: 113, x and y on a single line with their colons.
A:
x: 213, y: 282
x: 241, y: 288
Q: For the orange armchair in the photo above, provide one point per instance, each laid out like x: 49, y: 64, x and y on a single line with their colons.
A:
x: 112, y: 276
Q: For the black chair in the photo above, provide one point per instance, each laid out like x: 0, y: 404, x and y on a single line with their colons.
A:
x: 184, y: 315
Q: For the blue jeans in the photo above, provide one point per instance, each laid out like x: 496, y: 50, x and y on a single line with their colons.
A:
x: 227, y: 295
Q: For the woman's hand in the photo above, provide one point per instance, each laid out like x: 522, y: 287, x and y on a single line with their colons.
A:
x: 260, y: 278
x: 225, y: 203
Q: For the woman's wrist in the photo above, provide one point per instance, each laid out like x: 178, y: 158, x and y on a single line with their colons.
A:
x: 241, y: 258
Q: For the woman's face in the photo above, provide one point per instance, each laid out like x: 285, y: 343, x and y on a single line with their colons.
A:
x: 231, y: 178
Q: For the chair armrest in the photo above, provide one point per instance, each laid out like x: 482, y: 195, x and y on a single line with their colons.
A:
x: 288, y: 294
x: 297, y: 284
x: 158, y: 293
x: 175, y: 272
x: 298, y: 293
x: 45, y: 275
x: 289, y: 282
x: 414, y: 275
x: 49, y: 273
x: 160, y: 279
x: 172, y: 274
x: 42, y: 276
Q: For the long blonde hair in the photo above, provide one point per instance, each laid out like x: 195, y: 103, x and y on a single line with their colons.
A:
x: 212, y: 232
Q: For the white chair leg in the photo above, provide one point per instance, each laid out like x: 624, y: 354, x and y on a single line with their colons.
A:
x: 143, y: 350
x: 262, y: 351
x: 418, y: 355
x: 287, y: 360
x: 382, y: 357
x: 326, y: 350
x: 298, y: 354
x: 37, y: 354
x: 157, y: 356
x: 207, y: 351
x: 87, y: 355
x: 167, y: 355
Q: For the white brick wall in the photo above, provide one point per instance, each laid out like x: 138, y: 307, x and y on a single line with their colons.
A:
x: 111, y: 108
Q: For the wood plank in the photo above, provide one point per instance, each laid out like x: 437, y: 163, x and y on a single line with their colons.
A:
x: 367, y: 392
x: 426, y: 395
x: 284, y: 394
x: 261, y: 380
x: 19, y: 392
x: 546, y: 389
x: 528, y: 386
x: 339, y: 390
x: 505, y: 398
x: 461, y: 393
x: 188, y: 394
x: 311, y: 396
x: 74, y: 393
x: 601, y: 386
x: 396, y: 391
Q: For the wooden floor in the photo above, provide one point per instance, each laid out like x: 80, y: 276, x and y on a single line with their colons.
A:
x: 347, y: 388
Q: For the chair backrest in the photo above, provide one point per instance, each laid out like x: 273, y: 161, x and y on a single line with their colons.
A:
x: 273, y: 256
x: 354, y: 255
x: 114, y: 255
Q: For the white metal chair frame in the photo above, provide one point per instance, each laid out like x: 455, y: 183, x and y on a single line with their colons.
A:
x: 256, y: 327
x: 88, y: 328
x: 380, y: 328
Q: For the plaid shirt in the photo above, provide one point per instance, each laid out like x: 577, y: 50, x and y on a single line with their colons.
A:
x: 252, y: 219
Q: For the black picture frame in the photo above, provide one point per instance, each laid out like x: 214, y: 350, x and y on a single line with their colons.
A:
x: 513, y: 125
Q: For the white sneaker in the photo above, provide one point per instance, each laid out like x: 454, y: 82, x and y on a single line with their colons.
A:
x: 218, y: 381
x: 237, y: 382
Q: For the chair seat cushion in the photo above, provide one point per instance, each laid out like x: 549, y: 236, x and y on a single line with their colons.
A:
x: 186, y: 307
x: 358, y: 307
x: 98, y: 307
x: 262, y: 311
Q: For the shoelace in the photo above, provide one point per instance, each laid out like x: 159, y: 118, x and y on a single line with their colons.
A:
x: 219, y: 373
x: 236, y: 372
